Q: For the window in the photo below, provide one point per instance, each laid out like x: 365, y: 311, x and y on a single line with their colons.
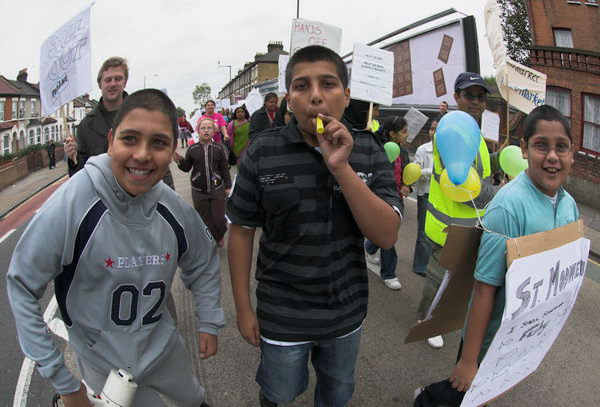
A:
x: 46, y: 134
x: 38, y: 134
x: 21, y: 108
x: 559, y: 98
x: 14, y: 109
x: 60, y: 134
x: 31, y: 137
x: 591, y: 122
x: 33, y: 108
x: 6, y: 144
x: 563, y: 37
x: 2, y: 103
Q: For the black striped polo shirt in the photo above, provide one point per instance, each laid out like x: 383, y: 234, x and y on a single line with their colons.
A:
x: 311, y: 272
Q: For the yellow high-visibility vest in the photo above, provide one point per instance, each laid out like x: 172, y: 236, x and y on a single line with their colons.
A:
x: 443, y: 211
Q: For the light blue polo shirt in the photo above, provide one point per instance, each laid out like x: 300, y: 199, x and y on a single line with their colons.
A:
x: 518, y: 209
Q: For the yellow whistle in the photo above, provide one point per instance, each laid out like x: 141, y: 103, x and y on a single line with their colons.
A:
x: 320, y: 128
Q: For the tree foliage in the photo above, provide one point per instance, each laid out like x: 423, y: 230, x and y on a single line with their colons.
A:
x: 517, y: 36
x: 201, y: 94
x: 180, y: 111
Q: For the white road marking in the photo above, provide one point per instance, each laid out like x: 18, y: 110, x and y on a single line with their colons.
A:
x: 10, y: 232
x: 22, y: 388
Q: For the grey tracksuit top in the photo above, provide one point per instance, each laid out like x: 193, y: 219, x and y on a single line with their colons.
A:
x: 112, y: 258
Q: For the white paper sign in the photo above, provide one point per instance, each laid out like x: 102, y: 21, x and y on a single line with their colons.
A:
x: 254, y: 101
x: 306, y: 32
x: 372, y: 74
x: 541, y: 290
x: 225, y: 103
x: 283, y: 61
x: 490, y: 125
x: 65, y: 63
x: 415, y: 121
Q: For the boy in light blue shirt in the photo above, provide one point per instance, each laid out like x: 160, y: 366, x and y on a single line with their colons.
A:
x: 533, y: 202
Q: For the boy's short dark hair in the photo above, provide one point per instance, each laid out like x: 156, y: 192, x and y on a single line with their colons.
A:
x: 544, y: 112
x: 393, y: 123
x: 316, y: 53
x: 148, y: 99
x: 271, y: 95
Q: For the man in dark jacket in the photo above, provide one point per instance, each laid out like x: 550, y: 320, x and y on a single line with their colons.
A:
x: 51, y: 149
x: 264, y: 118
x: 92, y: 132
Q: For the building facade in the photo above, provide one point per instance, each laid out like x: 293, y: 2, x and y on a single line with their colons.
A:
x: 21, y: 124
x: 566, y: 47
x: 265, y: 67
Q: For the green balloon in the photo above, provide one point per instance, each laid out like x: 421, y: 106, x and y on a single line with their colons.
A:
x: 511, y: 161
x: 392, y: 150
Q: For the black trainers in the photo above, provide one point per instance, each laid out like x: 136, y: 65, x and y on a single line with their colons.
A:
x: 264, y: 401
x: 204, y: 404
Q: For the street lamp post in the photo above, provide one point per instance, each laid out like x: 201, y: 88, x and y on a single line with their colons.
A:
x: 153, y: 74
x: 225, y: 66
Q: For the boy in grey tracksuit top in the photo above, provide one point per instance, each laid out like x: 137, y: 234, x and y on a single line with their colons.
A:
x: 112, y: 258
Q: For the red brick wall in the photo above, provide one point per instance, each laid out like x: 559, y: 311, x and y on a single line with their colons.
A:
x: 582, y: 19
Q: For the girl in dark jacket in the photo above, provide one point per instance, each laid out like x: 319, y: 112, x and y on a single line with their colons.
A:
x: 210, y: 178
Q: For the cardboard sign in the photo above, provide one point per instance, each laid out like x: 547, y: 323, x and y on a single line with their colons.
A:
x: 254, y: 101
x: 283, y: 61
x: 459, y: 258
x: 372, y: 74
x: 306, y: 32
x: 545, y: 273
x: 415, y: 121
x: 65, y: 63
x: 490, y: 126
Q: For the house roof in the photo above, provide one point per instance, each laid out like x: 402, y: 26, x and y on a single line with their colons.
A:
x: 26, y: 88
x: 49, y: 120
x: 7, y: 125
x: 34, y: 122
x: 7, y: 88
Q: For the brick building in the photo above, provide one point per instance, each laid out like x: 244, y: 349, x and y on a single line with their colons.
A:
x: 566, y: 47
x: 264, y: 68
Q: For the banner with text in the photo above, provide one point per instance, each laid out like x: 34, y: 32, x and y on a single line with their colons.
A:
x: 372, y: 78
x: 65, y: 63
x: 541, y: 289
x: 306, y: 32
x: 521, y: 86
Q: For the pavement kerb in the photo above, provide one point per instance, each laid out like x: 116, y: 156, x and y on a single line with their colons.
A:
x: 22, y: 201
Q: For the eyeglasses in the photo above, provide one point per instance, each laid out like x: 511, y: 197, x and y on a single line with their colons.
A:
x: 561, y: 150
x: 471, y: 97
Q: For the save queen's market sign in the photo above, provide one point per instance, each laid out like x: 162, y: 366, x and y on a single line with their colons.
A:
x: 541, y: 289
x: 65, y: 63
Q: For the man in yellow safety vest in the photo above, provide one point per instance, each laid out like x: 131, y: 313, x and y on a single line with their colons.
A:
x: 470, y: 93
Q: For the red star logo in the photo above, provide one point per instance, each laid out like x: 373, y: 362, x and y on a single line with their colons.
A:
x: 168, y: 257
x: 109, y: 262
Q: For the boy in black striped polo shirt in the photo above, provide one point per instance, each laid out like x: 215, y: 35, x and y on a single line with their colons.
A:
x: 316, y: 197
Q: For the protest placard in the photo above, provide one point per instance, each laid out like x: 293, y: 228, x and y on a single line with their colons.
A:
x: 283, y: 61
x: 225, y: 103
x: 490, y: 125
x: 372, y: 74
x: 415, y: 121
x: 459, y: 258
x: 65, y: 63
x: 306, y: 32
x: 254, y: 101
x: 544, y: 276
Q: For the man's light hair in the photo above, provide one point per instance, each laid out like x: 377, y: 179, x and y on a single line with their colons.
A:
x: 113, y: 62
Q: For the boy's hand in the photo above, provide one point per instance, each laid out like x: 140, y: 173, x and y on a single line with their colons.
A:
x: 463, y: 374
x: 247, y: 324
x: 405, y: 190
x: 177, y: 157
x: 336, y: 143
x: 207, y: 344
x: 77, y: 399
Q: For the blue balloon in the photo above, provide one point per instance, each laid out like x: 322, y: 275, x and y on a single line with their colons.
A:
x: 457, y: 139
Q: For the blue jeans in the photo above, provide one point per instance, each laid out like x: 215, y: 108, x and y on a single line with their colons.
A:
x: 422, y: 247
x: 388, y: 259
x: 283, y: 371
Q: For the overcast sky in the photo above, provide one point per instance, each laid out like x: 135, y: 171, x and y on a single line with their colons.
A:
x: 181, y: 41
